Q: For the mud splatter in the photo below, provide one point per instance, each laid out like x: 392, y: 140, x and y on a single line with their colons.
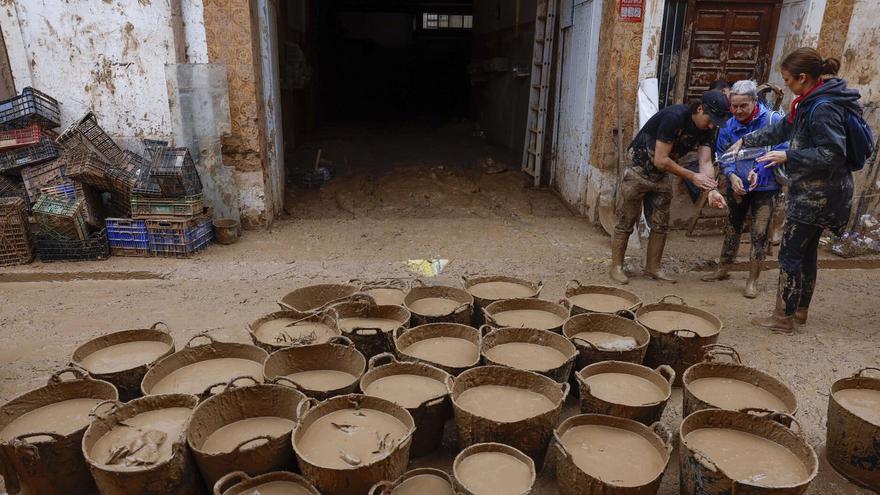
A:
x: 102, y: 74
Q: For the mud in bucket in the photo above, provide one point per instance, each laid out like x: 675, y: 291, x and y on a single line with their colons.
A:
x: 198, y: 369
x: 139, y: 448
x: 370, y: 326
x: 605, y: 337
x: 320, y: 371
x: 506, y: 405
x: 239, y: 483
x: 421, y: 481
x: 852, y: 443
x: 314, y: 298
x: 347, y: 444
x: 713, y: 384
x: 385, y: 292
x: 40, y: 455
x: 123, y: 358
x: 483, y: 468
x: 452, y: 347
x: 420, y: 388
x: 283, y: 329
x: 530, y: 349
x: 730, y: 451
x: 245, y: 428
x: 599, y: 299
x: 492, y: 288
x: 439, y: 304
x: 678, y: 334
x: 526, y: 313
x: 625, y: 390
x: 601, y: 455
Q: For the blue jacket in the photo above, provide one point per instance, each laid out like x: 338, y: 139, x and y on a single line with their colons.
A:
x: 734, y: 132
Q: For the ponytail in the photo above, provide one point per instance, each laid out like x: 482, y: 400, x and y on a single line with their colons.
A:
x: 808, y: 61
x: 830, y: 66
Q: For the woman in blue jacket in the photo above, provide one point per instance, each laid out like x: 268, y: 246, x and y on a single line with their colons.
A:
x: 820, y: 186
x: 743, y: 199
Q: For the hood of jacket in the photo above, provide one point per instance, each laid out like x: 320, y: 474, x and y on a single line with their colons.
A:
x: 835, y: 91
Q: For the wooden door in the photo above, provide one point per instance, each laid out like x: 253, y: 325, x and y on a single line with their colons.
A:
x: 729, y: 40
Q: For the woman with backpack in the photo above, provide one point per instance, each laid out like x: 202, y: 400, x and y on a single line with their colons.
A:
x: 823, y: 149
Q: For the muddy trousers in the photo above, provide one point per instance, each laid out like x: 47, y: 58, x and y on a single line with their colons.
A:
x: 636, y: 191
x: 798, y: 264
x: 760, y: 205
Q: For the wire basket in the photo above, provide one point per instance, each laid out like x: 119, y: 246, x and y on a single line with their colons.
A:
x: 29, y: 155
x: 15, y: 245
x: 128, y: 237
x: 86, y: 135
x: 186, y: 206
x: 26, y: 136
x: 179, y: 238
x: 60, y: 219
x: 174, y: 170
x: 30, y: 106
x: 91, y: 249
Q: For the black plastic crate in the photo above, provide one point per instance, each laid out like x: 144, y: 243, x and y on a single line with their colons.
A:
x: 86, y: 135
x: 46, y: 150
x: 91, y: 249
x: 174, y: 170
x: 30, y: 106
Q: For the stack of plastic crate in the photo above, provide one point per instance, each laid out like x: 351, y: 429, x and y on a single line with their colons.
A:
x: 26, y: 135
x: 15, y: 243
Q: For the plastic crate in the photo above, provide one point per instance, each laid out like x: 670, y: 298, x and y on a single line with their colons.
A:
x: 127, y: 233
x: 66, y: 191
x: 60, y: 219
x: 134, y: 163
x: 37, y: 177
x: 179, y: 238
x: 90, y: 249
x: 29, y: 155
x: 88, y: 168
x: 152, y: 146
x: 86, y: 135
x: 15, y: 245
x: 187, y: 206
x: 26, y: 136
x: 11, y: 186
x: 30, y: 106
x: 174, y: 170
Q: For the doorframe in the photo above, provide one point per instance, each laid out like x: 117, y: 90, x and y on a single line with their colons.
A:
x: 684, y: 54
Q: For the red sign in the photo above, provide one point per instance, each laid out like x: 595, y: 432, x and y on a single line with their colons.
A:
x: 631, y: 10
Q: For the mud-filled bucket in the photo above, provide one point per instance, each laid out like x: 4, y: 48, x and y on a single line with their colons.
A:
x: 385, y: 292
x: 439, y: 304
x: 678, y: 334
x: 245, y: 428
x: 370, y: 326
x: 604, y: 337
x: 732, y: 386
x: 197, y: 369
x: 420, y: 388
x: 314, y: 298
x: 41, y: 433
x: 492, y: 468
x: 852, y: 444
x: 421, y: 481
x: 506, y: 405
x: 320, y: 371
x: 139, y: 448
x: 492, y: 288
x: 530, y: 349
x: 625, y: 390
x: 601, y: 455
x: 347, y: 444
x: 452, y: 347
x: 280, y: 482
x: 741, y: 452
x: 599, y: 299
x: 123, y: 358
x: 526, y: 313
x: 283, y: 329
x: 227, y: 230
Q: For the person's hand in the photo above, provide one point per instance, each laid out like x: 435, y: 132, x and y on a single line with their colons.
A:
x: 772, y: 158
x: 735, y: 147
x: 716, y: 200
x: 737, y: 184
x: 753, y: 179
x: 704, y: 182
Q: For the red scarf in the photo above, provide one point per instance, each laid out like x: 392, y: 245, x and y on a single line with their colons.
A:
x: 796, y: 102
x: 752, y: 116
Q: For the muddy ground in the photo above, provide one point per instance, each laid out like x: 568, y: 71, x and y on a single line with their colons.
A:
x: 416, y: 193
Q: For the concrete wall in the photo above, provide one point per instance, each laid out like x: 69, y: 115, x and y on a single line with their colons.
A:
x: 800, y: 23
x: 861, y: 61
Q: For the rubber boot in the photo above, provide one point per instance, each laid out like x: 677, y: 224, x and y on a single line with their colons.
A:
x: 777, y: 321
x: 720, y: 274
x: 656, y: 244
x: 800, y: 316
x: 618, y: 253
x: 751, y: 291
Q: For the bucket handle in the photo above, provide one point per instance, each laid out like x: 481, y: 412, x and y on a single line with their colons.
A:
x: 565, y: 303
x: 464, y: 282
x: 381, y: 360
x: 340, y: 340
x: 208, y: 392
x: 573, y: 284
x: 366, y: 331
x: 539, y: 287
x: 863, y: 370
x: 285, y: 382
x: 667, y: 372
x: 566, y: 388
x: 776, y: 416
x: 114, y: 405
x: 461, y: 309
x: 164, y: 329
x: 399, y: 331
x: 626, y: 313
x: 232, y: 383
x: 21, y: 441
x: 417, y: 282
x: 491, y: 321
x: 667, y: 296
x: 712, y: 351
x: 665, y: 435
x: 557, y: 442
x: 381, y: 488
x: 228, y: 480
x: 237, y: 449
x: 635, y: 307
x: 76, y: 371
x: 586, y: 343
x: 305, y: 406
x: 686, y: 333
x: 486, y: 329
x: 204, y: 334
x: 433, y: 401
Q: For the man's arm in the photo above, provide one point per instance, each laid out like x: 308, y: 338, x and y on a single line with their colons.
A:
x: 702, y: 180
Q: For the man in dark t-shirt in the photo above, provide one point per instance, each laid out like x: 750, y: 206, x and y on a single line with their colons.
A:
x: 667, y: 136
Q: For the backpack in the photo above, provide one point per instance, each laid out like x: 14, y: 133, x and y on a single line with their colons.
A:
x: 859, y: 138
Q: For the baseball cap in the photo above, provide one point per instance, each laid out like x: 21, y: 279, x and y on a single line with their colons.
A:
x: 716, y: 106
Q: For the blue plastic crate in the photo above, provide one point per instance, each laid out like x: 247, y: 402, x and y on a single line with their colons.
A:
x: 127, y: 233
x: 175, y: 238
